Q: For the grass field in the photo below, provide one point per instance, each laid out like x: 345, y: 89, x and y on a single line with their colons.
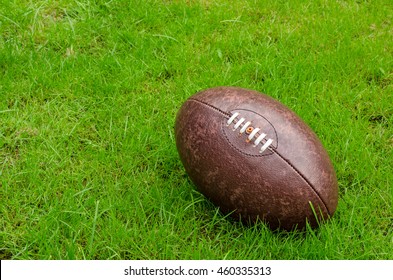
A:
x: 89, y: 92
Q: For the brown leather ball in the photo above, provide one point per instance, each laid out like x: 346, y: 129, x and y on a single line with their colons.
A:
x: 255, y: 158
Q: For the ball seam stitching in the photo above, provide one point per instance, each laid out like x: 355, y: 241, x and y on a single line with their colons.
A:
x: 210, y: 106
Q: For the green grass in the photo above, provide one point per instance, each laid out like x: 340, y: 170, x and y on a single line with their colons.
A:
x: 89, y: 92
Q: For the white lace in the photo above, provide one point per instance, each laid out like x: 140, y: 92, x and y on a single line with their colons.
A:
x: 253, y: 133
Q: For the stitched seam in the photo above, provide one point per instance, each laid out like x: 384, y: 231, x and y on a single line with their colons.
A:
x: 210, y: 106
x: 274, y: 151
x: 306, y: 180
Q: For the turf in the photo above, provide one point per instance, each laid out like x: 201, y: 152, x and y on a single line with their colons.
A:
x: 89, y: 92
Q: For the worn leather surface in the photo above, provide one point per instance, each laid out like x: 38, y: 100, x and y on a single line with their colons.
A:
x: 277, y: 186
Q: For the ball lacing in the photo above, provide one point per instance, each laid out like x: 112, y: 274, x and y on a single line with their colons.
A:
x: 251, y: 131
